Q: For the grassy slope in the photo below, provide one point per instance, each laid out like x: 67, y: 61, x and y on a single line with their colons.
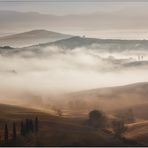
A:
x: 111, y: 98
x: 140, y: 111
x: 54, y: 131
x: 138, y: 131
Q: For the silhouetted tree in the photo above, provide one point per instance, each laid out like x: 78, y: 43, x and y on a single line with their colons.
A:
x: 36, y: 124
x: 130, y: 116
x: 6, y: 133
x: 127, y: 116
x: 119, y: 128
x: 97, y: 119
x: 27, y: 126
x: 14, y: 131
x: 22, y: 129
x: 31, y: 126
x: 59, y: 112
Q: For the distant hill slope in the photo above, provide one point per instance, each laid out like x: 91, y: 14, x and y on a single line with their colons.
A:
x: 38, y: 39
x: 111, y: 98
x: 109, y: 45
x: 31, y: 38
x: 140, y: 111
x: 14, y: 113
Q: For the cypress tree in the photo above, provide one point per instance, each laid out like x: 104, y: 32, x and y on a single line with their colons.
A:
x: 6, y: 133
x: 36, y: 124
x: 27, y: 126
x: 14, y: 131
x: 31, y: 126
x: 22, y: 129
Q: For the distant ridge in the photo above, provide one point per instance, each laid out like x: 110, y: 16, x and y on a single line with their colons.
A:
x: 31, y: 38
x: 112, y: 98
x: 105, y: 44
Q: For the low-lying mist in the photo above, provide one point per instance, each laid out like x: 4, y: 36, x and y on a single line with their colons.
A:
x: 50, y: 71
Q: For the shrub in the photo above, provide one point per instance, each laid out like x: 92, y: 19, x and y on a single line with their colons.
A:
x: 97, y: 119
x: 119, y: 128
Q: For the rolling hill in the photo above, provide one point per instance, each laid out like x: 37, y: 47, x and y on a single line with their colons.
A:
x: 53, y: 130
x: 40, y: 41
x: 139, y: 111
x: 107, y: 45
x: 31, y: 38
x: 138, y: 131
x: 110, y: 99
x: 71, y: 130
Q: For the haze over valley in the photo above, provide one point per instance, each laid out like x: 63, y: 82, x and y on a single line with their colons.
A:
x: 73, y: 75
x: 79, y: 63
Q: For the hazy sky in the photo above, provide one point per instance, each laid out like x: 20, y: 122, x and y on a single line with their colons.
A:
x: 62, y: 7
x: 105, y: 19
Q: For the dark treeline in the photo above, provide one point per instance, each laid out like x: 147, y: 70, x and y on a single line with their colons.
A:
x: 25, y: 127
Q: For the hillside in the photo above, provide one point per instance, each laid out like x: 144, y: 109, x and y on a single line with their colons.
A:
x: 138, y: 131
x: 109, y: 99
x: 109, y: 45
x: 53, y: 130
x: 31, y: 38
x: 121, y: 53
x: 112, y: 99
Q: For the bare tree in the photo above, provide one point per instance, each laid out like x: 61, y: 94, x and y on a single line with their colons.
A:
x: 59, y: 112
x: 130, y: 116
x: 119, y: 128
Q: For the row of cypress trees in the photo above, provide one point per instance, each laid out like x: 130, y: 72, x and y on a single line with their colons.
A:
x: 27, y: 126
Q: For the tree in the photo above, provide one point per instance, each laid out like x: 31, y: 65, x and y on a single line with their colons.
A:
x: 130, y: 116
x: 14, y: 131
x: 27, y: 128
x: 36, y: 124
x: 6, y: 133
x: 22, y: 130
x: 119, y: 127
x: 59, y: 112
x: 97, y: 119
x: 31, y: 127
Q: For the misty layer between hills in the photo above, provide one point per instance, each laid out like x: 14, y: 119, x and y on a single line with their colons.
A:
x: 55, y: 68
